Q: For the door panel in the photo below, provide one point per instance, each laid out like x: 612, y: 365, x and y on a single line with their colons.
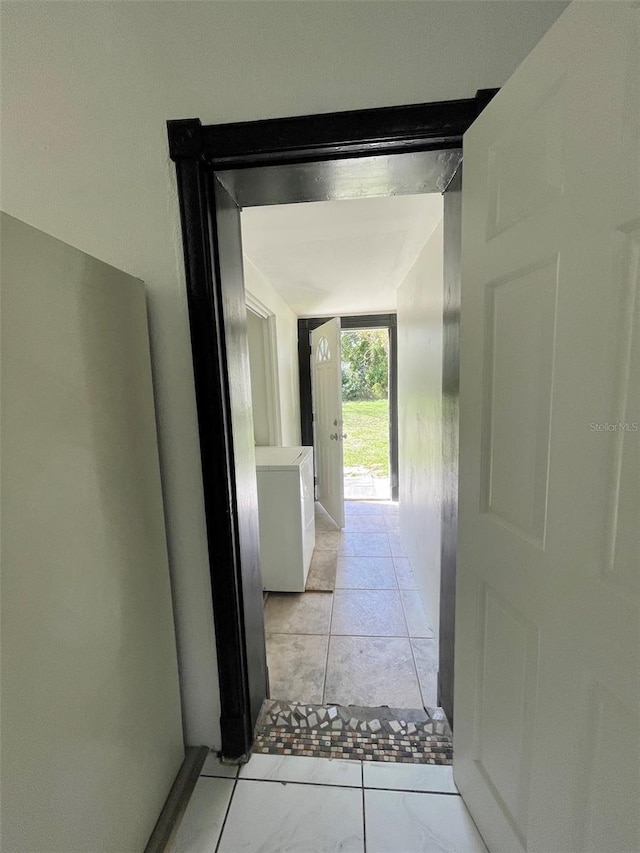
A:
x: 452, y: 223
x: 547, y: 615
x: 91, y: 716
x: 327, y: 409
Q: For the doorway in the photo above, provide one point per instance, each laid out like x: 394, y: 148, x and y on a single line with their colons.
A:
x: 366, y: 416
x: 355, y: 635
x: 385, y: 323
x: 221, y: 169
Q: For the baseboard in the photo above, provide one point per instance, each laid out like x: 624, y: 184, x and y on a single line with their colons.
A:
x: 176, y: 803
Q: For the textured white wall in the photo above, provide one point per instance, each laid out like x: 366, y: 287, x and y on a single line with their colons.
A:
x: 256, y: 343
x: 420, y: 419
x: 287, y: 342
x: 86, y: 90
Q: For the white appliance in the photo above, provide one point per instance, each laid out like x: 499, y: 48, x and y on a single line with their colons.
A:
x: 286, y: 511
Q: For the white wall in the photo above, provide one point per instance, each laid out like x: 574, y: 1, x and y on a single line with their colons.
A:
x: 91, y: 723
x: 287, y: 350
x: 259, y: 383
x: 86, y: 91
x: 420, y: 302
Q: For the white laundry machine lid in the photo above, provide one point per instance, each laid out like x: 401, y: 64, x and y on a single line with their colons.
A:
x: 276, y: 458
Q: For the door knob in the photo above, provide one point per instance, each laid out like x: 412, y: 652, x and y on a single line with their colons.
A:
x: 334, y: 436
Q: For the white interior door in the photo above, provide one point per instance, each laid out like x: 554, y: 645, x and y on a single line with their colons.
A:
x: 547, y: 736
x: 327, y: 413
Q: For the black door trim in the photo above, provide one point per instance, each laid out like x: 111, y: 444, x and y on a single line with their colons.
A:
x: 361, y: 321
x: 198, y: 152
x: 327, y: 136
x: 197, y: 207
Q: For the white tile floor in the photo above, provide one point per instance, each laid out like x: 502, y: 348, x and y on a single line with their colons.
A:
x: 287, y: 804
x: 369, y: 642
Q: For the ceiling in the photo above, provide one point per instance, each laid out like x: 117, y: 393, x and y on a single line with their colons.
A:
x: 339, y: 257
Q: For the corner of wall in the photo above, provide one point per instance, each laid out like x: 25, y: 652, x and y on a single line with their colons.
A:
x: 420, y: 306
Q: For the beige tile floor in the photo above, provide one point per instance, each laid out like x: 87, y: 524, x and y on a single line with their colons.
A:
x: 368, y: 642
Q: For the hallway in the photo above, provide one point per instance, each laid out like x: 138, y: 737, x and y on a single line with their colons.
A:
x: 359, y: 634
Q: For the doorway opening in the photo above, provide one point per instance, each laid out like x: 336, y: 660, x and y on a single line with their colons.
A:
x: 221, y: 170
x: 386, y: 325
x: 366, y: 414
x: 352, y: 635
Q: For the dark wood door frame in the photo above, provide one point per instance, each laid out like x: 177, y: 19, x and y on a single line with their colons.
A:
x: 361, y: 321
x: 201, y: 153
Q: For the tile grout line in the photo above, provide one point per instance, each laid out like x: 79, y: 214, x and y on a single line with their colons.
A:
x: 326, y: 660
x: 415, y: 666
x: 369, y: 588
x: 226, y: 814
x: 395, y: 568
x: 425, y: 704
x: 415, y: 790
x: 413, y: 656
x: 364, y: 813
x: 395, y: 572
x: 300, y: 782
x: 364, y: 816
x: 376, y: 637
x: 297, y: 634
x: 341, y: 786
x: 356, y: 636
x: 214, y: 776
x: 404, y: 612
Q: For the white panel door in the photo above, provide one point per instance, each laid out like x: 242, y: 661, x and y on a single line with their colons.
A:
x: 327, y: 413
x: 547, y: 736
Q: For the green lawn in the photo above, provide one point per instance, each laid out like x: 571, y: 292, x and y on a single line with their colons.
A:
x: 366, y: 423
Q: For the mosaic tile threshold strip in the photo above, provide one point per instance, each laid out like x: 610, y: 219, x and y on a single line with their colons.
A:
x: 365, y: 734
